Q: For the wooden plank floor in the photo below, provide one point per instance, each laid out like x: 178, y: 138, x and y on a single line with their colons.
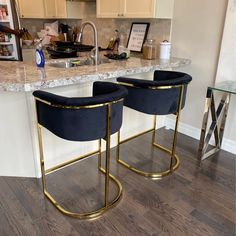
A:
x: 195, y: 200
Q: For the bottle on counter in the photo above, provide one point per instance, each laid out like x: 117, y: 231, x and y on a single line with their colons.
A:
x: 114, y: 42
x: 110, y: 44
x: 165, y: 49
x: 150, y: 49
x: 40, y: 59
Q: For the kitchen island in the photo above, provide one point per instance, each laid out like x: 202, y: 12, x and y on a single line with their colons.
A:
x: 18, y: 139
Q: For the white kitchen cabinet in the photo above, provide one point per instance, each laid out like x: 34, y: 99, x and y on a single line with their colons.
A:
x: 31, y: 10
x: 61, y: 8
x: 110, y: 9
x: 55, y: 8
x: 81, y: 10
x: 164, y: 8
x: 42, y: 8
x: 143, y: 9
x: 135, y: 9
x: 50, y: 8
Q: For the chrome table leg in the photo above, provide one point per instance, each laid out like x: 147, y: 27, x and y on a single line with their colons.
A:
x: 217, y: 125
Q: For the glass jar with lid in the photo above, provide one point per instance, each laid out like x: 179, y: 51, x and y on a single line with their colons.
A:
x: 150, y: 49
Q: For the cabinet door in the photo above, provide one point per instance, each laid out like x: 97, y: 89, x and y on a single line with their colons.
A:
x: 50, y: 8
x: 33, y: 10
x: 108, y: 8
x: 139, y: 9
x: 61, y: 9
x: 55, y: 8
x: 164, y: 8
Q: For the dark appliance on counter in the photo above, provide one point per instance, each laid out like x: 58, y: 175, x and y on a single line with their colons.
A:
x: 67, y: 49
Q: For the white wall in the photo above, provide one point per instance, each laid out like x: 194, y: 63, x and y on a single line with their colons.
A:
x: 196, y: 34
x: 227, y: 67
x: 227, y: 62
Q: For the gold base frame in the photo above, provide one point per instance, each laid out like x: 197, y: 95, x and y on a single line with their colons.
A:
x: 174, y: 159
x: 107, y: 204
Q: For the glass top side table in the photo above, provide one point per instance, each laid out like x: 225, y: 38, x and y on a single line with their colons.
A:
x: 218, y: 117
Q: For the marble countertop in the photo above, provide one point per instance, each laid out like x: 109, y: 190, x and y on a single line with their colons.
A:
x: 25, y: 77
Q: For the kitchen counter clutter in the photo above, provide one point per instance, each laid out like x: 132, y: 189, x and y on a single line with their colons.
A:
x: 25, y: 77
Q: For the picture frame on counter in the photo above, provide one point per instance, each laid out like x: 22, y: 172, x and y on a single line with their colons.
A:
x: 137, y: 36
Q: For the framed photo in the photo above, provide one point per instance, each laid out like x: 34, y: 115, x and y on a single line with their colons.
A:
x: 137, y: 35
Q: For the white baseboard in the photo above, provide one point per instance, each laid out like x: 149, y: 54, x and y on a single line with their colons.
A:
x: 227, y: 145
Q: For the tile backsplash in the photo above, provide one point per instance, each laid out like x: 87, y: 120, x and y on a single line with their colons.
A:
x: 159, y: 28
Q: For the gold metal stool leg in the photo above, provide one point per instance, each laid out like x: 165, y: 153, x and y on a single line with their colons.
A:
x: 99, y: 154
x: 174, y: 159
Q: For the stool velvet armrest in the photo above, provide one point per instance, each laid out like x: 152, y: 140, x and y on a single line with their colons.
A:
x: 103, y: 93
x: 159, y: 79
x: 163, y: 78
x: 63, y: 116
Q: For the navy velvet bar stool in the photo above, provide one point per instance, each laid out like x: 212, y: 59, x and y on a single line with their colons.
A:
x: 82, y: 119
x: 164, y: 95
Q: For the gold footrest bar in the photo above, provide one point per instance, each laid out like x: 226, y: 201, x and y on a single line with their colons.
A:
x: 155, y: 175
x: 92, y: 214
x: 65, y: 164
x: 135, y: 136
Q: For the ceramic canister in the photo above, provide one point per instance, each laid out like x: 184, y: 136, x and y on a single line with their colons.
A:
x: 165, y: 48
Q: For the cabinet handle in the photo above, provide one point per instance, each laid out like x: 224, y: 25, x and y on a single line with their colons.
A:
x: 118, y: 14
x: 22, y: 15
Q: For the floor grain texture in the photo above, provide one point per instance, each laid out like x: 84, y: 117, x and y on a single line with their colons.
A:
x: 195, y: 200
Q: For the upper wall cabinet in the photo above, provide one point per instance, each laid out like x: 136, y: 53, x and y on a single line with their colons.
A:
x: 80, y: 10
x: 135, y: 9
x: 43, y: 8
x: 55, y: 8
x: 33, y: 10
x: 110, y: 9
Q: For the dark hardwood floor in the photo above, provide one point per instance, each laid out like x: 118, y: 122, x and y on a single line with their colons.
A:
x: 195, y: 200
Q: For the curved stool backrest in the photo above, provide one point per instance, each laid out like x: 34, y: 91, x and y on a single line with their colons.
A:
x: 81, y: 118
x: 157, y: 97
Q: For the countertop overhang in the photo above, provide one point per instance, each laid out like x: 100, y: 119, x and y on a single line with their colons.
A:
x: 26, y: 77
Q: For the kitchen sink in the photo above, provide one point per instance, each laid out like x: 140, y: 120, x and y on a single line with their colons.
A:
x: 76, y: 62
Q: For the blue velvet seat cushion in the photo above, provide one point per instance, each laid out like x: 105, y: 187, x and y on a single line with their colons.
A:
x: 156, y: 101
x: 83, y: 124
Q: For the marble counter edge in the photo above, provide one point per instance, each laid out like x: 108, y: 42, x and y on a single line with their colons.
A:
x: 45, y: 84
